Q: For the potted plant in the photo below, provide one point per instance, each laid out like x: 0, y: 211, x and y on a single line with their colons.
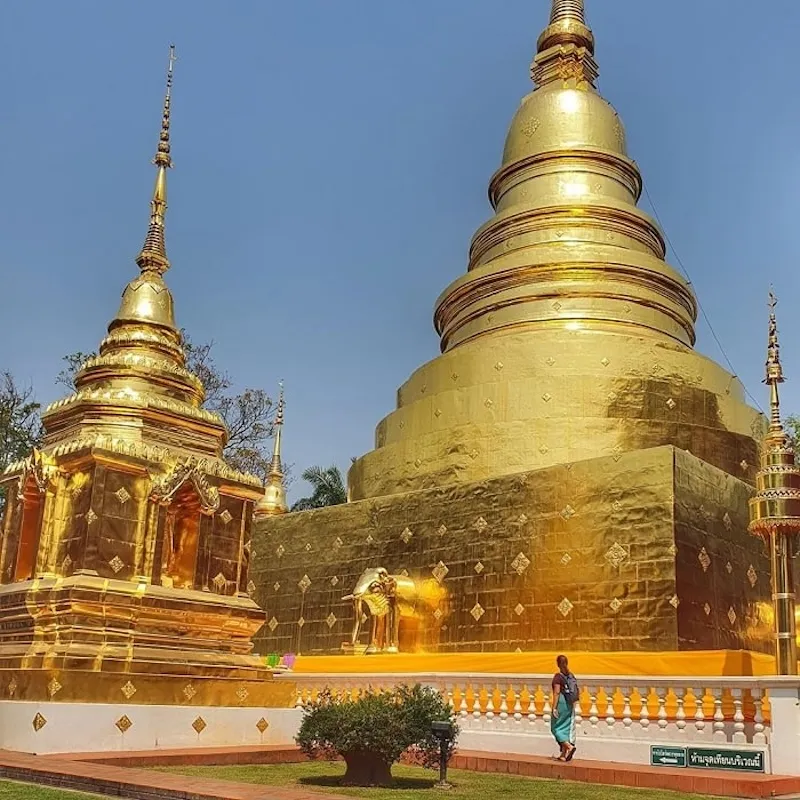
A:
x: 374, y: 731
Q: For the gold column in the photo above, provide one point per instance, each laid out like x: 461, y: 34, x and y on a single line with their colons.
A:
x: 775, y: 510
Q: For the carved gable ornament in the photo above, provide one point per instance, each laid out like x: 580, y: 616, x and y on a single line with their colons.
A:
x: 165, y: 487
x: 33, y: 467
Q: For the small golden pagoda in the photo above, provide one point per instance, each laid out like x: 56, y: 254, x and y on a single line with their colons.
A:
x: 775, y: 510
x: 126, y: 538
x: 569, y: 470
x: 274, y: 500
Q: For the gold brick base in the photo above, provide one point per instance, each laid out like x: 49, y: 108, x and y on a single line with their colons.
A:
x: 645, y: 551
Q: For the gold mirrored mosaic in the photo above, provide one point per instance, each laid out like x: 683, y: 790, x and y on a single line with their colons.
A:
x: 124, y: 723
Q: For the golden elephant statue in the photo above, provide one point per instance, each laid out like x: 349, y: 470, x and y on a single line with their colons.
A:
x: 389, y: 598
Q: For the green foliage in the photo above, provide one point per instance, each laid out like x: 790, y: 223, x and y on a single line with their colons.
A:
x: 382, y: 725
x: 792, y: 425
x: 20, y: 424
x: 328, y: 489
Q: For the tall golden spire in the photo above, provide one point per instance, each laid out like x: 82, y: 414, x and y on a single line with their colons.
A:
x: 775, y: 508
x: 774, y: 375
x: 566, y: 47
x: 153, y: 255
x: 274, y: 500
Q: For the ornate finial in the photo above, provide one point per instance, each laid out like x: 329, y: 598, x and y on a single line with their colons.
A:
x: 274, y: 499
x: 565, y: 50
x: 774, y: 370
x: 153, y: 256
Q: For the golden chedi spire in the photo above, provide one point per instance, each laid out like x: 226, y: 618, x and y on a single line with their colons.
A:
x: 775, y: 508
x: 274, y: 500
x: 138, y: 389
x: 569, y: 337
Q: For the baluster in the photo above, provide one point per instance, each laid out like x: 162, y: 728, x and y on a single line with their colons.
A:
x: 450, y: 697
x: 759, y: 734
x: 490, y: 704
x: 644, y: 713
x: 699, y: 716
x: 517, y: 704
x: 627, y: 721
x: 661, y: 694
x: 299, y: 703
x: 611, y: 720
x: 476, y: 706
x: 531, y: 704
x: 680, y: 714
x: 503, y: 704
x: 719, y: 716
x: 738, y: 717
x: 594, y: 714
x: 547, y: 710
x: 462, y: 707
x: 579, y: 711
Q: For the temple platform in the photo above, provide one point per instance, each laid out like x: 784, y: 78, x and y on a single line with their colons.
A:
x: 644, y: 551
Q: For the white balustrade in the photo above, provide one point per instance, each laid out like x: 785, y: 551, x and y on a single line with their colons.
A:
x: 616, y: 719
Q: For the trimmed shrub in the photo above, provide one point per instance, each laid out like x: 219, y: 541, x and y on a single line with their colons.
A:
x: 375, y: 731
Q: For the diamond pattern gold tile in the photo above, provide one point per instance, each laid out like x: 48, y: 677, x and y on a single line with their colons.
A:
x: 334, y: 581
x: 124, y: 723
x: 199, y: 725
x: 520, y: 564
x: 752, y: 575
x: 442, y: 530
x: 438, y: 614
x: 66, y: 565
x: 370, y: 539
x: 565, y: 607
x: 128, y: 690
x: 705, y: 559
x: 404, y: 573
x: 568, y: 512
x: 280, y: 550
x: 219, y: 582
x: 671, y: 404
x: 544, y: 449
x: 707, y: 609
x: 481, y: 525
x: 437, y: 413
x: 550, y: 361
x: 440, y: 571
x: 276, y: 586
x: 301, y: 622
x: 522, y: 519
x: 54, y: 687
x: 304, y: 583
x: 309, y: 547
x: 91, y: 517
x: 251, y: 587
x: 262, y: 725
x: 226, y: 516
x: 566, y: 558
x: 272, y: 624
x: 731, y: 615
x: 616, y: 506
x: 616, y: 604
x: 498, y: 366
x: 337, y: 542
x: 488, y: 402
x: 116, y: 564
x: 477, y: 612
x: 519, y: 610
x: 616, y: 555
x: 406, y: 535
x: 605, y: 362
x: 39, y: 722
x: 744, y: 465
x: 330, y: 620
x: 242, y: 694
x: 479, y: 568
x: 189, y: 691
x: 727, y: 521
x: 12, y: 686
x: 673, y: 549
x: 674, y: 601
x: 122, y: 495
x: 547, y: 397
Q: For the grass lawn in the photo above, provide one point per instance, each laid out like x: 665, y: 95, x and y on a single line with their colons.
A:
x: 26, y: 791
x: 415, y: 784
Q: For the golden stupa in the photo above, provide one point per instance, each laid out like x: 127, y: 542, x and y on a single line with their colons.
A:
x: 274, y: 499
x: 569, y: 471
x: 126, y: 538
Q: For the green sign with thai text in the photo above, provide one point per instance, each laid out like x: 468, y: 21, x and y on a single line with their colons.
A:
x: 713, y: 758
x: 667, y: 756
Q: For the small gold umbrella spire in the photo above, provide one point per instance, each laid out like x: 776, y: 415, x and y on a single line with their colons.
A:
x: 274, y: 500
x: 153, y: 256
x: 775, y: 508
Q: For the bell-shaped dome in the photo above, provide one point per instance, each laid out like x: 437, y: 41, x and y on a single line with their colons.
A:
x: 557, y: 118
x: 147, y: 300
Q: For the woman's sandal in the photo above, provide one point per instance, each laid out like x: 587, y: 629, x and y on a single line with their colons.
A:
x: 571, y: 753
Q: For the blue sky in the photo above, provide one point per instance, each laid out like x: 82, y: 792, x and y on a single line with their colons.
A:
x: 331, y: 165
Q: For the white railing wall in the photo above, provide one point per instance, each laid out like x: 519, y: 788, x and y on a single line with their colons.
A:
x: 618, y: 718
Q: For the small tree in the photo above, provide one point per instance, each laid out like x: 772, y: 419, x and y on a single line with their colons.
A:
x: 328, y: 486
x: 373, y: 732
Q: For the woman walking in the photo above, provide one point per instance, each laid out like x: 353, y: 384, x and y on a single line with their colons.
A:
x: 565, y: 695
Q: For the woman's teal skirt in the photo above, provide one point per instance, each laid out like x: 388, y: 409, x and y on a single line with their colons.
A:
x: 563, y: 728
